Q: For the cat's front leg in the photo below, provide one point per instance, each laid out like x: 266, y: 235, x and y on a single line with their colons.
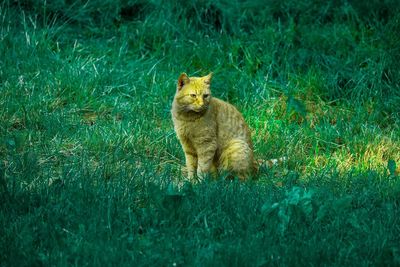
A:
x: 205, y: 161
x: 190, y: 156
x: 191, y: 164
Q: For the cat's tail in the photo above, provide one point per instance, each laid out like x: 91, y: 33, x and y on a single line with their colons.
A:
x: 271, y: 162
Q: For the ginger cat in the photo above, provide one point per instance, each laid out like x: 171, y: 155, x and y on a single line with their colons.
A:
x: 213, y: 133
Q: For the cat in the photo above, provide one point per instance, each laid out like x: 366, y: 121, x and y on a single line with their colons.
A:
x: 213, y: 133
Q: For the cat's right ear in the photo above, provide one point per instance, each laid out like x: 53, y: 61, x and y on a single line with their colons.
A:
x: 182, y: 80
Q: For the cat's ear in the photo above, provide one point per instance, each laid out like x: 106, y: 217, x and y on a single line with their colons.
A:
x: 207, y: 79
x: 182, y: 80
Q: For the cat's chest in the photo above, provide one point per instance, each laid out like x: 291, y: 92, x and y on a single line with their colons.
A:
x: 186, y: 128
x: 192, y: 129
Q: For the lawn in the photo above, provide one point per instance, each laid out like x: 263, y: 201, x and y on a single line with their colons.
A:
x: 91, y: 172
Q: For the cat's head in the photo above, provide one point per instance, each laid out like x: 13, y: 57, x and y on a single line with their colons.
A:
x: 193, y: 93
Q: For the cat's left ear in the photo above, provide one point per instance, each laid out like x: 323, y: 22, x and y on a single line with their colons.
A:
x: 207, y: 79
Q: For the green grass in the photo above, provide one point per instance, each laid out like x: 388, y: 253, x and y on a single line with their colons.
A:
x: 90, y: 168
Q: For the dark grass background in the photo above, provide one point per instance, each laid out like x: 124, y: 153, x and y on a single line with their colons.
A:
x: 90, y: 168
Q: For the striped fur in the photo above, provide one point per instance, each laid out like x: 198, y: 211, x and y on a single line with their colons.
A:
x: 213, y: 133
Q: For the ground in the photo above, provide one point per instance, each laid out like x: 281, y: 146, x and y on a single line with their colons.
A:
x: 89, y: 162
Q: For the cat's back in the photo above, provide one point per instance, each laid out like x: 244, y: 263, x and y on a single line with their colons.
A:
x: 226, y: 112
x: 231, y: 123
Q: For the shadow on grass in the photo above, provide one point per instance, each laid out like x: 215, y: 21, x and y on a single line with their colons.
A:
x: 343, y: 219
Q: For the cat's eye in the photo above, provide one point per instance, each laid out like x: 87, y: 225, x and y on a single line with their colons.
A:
x: 206, y: 95
x: 193, y: 95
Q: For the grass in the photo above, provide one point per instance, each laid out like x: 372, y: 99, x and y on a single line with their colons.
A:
x: 89, y: 162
